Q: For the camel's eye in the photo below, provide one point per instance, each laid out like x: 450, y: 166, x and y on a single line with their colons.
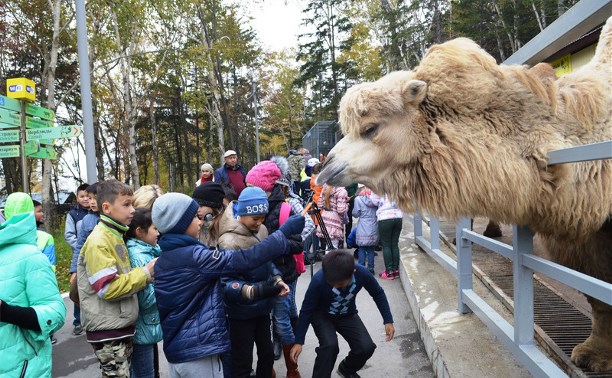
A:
x: 370, y: 130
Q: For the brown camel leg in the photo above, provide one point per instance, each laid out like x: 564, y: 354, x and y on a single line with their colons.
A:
x: 595, y: 353
x: 493, y: 230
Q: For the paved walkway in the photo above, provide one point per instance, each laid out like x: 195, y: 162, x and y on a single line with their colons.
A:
x: 404, y: 356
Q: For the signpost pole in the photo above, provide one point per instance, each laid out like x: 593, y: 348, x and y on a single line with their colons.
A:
x: 22, y: 142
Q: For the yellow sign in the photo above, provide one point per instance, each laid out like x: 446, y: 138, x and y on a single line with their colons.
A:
x: 562, y: 65
x: 21, y: 89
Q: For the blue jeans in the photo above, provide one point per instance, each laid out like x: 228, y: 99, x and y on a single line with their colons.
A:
x: 142, y: 361
x: 284, y: 310
x: 77, y: 315
x: 366, y: 251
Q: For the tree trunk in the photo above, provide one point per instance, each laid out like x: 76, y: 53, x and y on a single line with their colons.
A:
x: 154, y: 138
x: 125, y: 62
x: 47, y: 189
x: 537, y: 15
x: 214, y: 87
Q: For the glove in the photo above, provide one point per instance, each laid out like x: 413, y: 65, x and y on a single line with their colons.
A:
x: 265, y: 290
x: 293, y: 225
x: 296, y: 245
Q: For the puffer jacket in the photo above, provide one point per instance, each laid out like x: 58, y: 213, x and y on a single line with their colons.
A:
x: 367, y: 228
x: 387, y: 209
x: 190, y: 295
x: 74, y: 218
x: 333, y: 217
x: 235, y: 235
x: 285, y: 264
x: 148, y: 326
x: 27, y: 281
x: 86, y: 226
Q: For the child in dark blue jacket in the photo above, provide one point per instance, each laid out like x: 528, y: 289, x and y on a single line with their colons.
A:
x: 188, y: 288
x: 329, y: 305
x: 249, y: 296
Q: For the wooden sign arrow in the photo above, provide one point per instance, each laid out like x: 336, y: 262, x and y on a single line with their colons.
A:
x: 53, y: 132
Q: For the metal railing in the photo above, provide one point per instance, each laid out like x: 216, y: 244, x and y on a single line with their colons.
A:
x: 519, y: 339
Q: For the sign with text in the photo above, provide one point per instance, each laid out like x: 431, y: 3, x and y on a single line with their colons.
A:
x: 9, y: 151
x: 9, y: 136
x: 31, y: 109
x: 11, y: 118
x: 53, y: 132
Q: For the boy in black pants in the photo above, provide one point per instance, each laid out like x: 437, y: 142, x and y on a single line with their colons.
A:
x: 329, y: 305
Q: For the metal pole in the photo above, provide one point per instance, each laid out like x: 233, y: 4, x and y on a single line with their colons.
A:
x: 254, y: 88
x: 88, y: 130
x: 25, y: 183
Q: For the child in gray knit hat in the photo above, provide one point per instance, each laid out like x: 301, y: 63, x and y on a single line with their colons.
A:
x: 188, y: 288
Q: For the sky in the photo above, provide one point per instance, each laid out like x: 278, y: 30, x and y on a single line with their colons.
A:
x: 277, y: 22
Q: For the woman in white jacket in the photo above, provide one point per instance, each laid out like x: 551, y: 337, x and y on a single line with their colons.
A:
x: 389, y: 227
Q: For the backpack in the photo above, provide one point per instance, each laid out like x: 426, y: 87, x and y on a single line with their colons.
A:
x: 299, y: 259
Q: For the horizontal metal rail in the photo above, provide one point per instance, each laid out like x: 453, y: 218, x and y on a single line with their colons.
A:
x: 589, y: 285
x: 595, y: 151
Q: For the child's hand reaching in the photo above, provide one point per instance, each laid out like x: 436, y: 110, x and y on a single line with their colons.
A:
x: 284, y: 289
x: 389, y: 331
x: 296, y: 349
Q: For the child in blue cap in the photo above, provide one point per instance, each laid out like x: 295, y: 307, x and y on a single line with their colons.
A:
x: 249, y: 295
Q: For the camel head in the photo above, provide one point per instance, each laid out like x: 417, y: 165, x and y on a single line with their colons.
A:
x: 377, y: 120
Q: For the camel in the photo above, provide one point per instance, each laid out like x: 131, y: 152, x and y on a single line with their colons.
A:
x: 460, y: 135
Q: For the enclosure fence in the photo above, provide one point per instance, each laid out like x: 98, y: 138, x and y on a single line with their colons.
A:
x: 519, y: 339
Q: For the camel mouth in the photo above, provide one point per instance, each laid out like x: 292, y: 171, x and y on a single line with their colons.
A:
x: 334, y: 174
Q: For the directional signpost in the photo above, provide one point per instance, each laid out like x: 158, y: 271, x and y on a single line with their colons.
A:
x: 22, y: 121
x: 53, y: 132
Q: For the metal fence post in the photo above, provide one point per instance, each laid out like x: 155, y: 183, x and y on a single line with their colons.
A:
x: 464, y: 263
x: 418, y: 224
x: 522, y: 244
x: 434, y: 232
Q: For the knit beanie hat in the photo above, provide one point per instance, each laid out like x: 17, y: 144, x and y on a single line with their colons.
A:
x: 252, y: 201
x: 264, y: 175
x: 207, y: 167
x: 209, y: 194
x: 172, y: 213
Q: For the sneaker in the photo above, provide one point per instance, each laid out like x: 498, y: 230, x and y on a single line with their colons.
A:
x: 371, y: 271
x: 78, y: 330
x: 345, y: 373
x: 53, y: 340
x: 396, y: 273
x: 386, y: 275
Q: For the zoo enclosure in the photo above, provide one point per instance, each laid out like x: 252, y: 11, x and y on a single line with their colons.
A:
x: 519, y: 339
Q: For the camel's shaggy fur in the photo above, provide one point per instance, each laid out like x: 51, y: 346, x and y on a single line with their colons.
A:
x: 463, y: 136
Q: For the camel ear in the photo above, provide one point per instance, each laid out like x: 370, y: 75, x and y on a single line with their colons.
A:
x: 414, y: 91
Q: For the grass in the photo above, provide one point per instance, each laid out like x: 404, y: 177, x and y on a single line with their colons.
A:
x: 63, y: 255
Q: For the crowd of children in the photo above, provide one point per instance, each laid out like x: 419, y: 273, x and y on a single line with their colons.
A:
x: 212, y: 274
